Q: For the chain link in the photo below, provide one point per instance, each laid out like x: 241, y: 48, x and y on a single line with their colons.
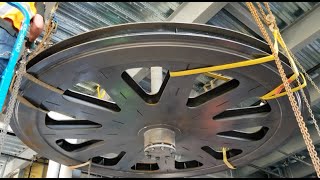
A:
x: 293, y: 102
x: 304, y: 72
x: 305, y: 99
x: 302, y: 91
x: 12, y: 101
x: 50, y: 28
x: 263, y: 13
x: 7, y: 53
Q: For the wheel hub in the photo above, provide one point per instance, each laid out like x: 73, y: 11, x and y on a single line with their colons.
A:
x: 177, y: 132
x: 159, y: 143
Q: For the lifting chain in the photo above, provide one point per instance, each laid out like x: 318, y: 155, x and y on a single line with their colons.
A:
x: 13, y: 99
x: 50, y: 28
x: 15, y: 84
x: 302, y: 91
x: 306, y: 74
x: 268, y: 22
x: 293, y: 102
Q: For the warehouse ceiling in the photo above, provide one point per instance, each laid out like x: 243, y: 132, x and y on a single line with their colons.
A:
x: 77, y: 17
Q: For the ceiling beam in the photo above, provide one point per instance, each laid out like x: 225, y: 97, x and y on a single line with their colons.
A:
x: 294, y: 145
x: 314, y: 95
x: 303, y: 31
x: 187, y: 12
x: 18, y: 163
x: 297, y: 35
x: 299, y: 170
x: 244, y: 16
x: 196, y: 12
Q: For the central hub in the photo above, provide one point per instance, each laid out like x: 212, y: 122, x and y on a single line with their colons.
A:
x: 159, y: 143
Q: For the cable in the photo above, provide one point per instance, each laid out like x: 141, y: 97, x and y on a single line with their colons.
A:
x: 80, y: 165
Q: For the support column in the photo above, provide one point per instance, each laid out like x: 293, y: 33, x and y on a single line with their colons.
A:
x: 156, y: 79
x: 65, y: 172
x: 3, y: 168
x: 53, y: 169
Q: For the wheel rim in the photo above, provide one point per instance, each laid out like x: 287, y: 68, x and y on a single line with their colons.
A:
x: 200, y: 127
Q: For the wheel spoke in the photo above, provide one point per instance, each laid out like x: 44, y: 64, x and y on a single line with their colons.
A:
x: 178, y: 95
x: 74, y: 133
x: 104, y: 148
x: 88, y: 152
x: 177, y: 89
x: 131, y: 158
x: 123, y: 89
x: 81, y: 111
x: 190, y: 147
x: 220, y: 141
x: 235, y: 119
x: 166, y: 165
x: 244, y: 121
x: 228, y: 99
x: 205, y: 158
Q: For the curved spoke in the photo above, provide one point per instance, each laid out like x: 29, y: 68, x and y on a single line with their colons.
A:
x: 74, y: 134
x: 244, y: 121
x: 219, y: 141
x: 191, y: 148
x: 81, y: 110
x: 233, y: 120
x: 167, y: 165
x: 104, y: 148
x: 133, y: 156
x: 178, y: 95
x: 125, y: 95
x: 229, y: 99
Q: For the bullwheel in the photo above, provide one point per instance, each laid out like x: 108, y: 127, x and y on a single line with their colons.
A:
x: 176, y: 132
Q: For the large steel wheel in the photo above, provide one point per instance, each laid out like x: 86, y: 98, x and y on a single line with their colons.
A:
x: 169, y: 134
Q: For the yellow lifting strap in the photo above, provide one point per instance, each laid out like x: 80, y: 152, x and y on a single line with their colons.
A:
x: 217, y: 76
x: 222, y: 67
x: 276, y: 92
x: 272, y: 94
x: 100, y: 96
x: 225, y: 158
